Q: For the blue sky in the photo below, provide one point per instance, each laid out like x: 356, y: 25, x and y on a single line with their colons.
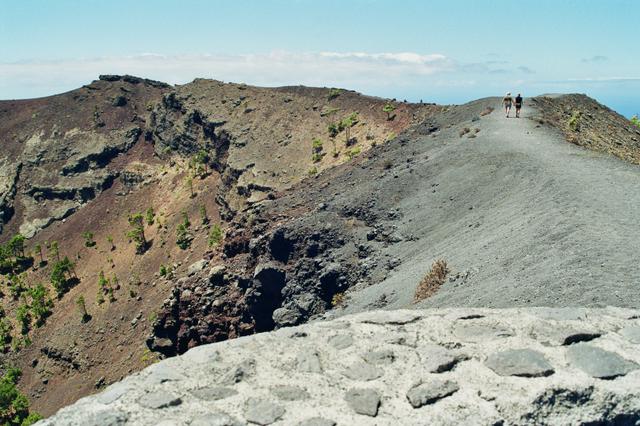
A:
x: 438, y: 51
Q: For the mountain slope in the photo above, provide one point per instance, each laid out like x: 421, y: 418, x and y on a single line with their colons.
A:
x: 78, y: 165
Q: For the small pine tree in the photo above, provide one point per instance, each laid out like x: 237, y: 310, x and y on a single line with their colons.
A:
x: 82, y: 308
x: 150, y: 216
x: 53, y: 250
x: 185, y: 219
x: 215, y: 236
x: 38, y: 249
x: 189, y: 185
x: 203, y: 215
x: 388, y: 108
x: 88, y: 239
x: 110, y: 241
x: 136, y: 233
x: 183, y: 238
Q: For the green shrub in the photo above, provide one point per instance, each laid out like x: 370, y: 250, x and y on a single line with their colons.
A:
x: 88, y: 239
x: 203, y: 215
x: 136, y: 233
x: 334, y: 93
x: 215, y: 236
x: 333, y: 130
x: 82, y: 308
x: 313, y: 171
x: 316, y: 157
x: 185, y: 219
x: 14, y: 405
x: 150, y: 216
x: 5, y: 333
x: 352, y: 153
x: 41, y: 304
x: 61, y: 274
x: 163, y: 271
x: 23, y: 316
x: 189, y: 184
x: 635, y: 121
x: 183, y: 237
x: 388, y: 109
x: 16, y: 286
x: 110, y: 241
x: 574, y: 121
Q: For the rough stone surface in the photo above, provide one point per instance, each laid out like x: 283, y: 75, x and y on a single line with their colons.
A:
x: 296, y: 376
x: 430, y: 392
x: 599, y: 363
x: 262, y: 412
x: 363, y: 401
x: 519, y: 362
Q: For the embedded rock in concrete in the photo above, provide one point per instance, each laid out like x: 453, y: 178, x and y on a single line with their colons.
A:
x: 519, y: 362
x: 430, y: 392
x: 632, y: 333
x: 363, y: 401
x: 598, y: 362
x: 262, y: 412
x: 400, y: 366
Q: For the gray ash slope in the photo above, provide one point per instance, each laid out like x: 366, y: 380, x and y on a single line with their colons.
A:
x: 522, y: 217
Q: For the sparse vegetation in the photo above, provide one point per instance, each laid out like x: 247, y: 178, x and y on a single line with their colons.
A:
x: 185, y: 219
x: 12, y: 256
x: 352, y: 153
x: 110, y: 241
x: 487, y: 111
x: 328, y: 111
x: 150, y: 216
x: 41, y: 304
x: 313, y: 171
x: 53, y: 250
x: 5, y: 332
x: 82, y: 308
x: 388, y: 109
x: 337, y: 300
x: 432, y: 281
x: 61, y: 276
x: 204, y: 218
x: 88, y: 239
x: 136, y: 233
x: 574, y: 121
x: 189, y: 184
x: 183, y: 237
x: 215, y: 236
x: 333, y: 93
x: 635, y: 120
x: 14, y: 405
x: 347, y: 124
x: 38, y: 250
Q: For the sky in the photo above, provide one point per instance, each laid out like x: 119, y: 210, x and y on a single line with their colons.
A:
x: 448, y: 51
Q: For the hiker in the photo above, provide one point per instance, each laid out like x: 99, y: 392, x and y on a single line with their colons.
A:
x: 507, y: 101
x: 518, y: 105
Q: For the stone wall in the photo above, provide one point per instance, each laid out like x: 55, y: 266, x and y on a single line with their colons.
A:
x: 406, y: 367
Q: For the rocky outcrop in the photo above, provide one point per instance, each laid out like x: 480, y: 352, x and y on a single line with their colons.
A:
x: 270, y: 279
x: 514, y: 366
x: 9, y: 175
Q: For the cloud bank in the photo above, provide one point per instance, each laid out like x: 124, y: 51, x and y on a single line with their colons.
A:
x: 351, y: 69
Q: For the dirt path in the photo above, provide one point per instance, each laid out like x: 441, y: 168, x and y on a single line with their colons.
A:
x: 525, y: 218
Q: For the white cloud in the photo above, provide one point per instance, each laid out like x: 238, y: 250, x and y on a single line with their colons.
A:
x: 352, y: 70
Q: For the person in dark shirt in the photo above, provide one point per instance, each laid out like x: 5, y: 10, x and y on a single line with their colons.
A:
x: 518, y: 104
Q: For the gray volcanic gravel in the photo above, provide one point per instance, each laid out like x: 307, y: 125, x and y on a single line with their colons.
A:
x: 522, y: 217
